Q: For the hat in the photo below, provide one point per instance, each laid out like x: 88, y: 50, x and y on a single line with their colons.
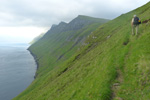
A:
x: 134, y: 16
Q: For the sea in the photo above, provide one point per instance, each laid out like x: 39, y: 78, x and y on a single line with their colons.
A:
x: 17, y: 69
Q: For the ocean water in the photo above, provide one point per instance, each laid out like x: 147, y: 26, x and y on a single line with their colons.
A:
x: 17, y: 69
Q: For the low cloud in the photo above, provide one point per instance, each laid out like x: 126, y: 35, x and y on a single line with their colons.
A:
x: 44, y: 13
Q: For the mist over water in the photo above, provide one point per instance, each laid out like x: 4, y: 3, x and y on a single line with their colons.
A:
x: 17, y: 69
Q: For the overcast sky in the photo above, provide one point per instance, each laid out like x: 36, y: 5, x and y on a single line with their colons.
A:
x: 22, y: 20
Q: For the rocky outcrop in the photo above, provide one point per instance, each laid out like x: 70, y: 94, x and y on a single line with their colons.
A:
x: 58, y: 28
x: 76, y: 24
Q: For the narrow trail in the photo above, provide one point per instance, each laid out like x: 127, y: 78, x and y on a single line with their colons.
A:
x: 119, y: 79
x: 116, y: 85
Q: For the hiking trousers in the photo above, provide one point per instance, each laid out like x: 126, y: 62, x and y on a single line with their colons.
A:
x: 135, y: 28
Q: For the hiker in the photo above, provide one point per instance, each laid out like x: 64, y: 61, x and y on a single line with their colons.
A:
x: 135, y: 24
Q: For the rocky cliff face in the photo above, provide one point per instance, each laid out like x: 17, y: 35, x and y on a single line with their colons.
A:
x: 76, y: 24
x: 58, y: 28
x: 82, y: 21
x: 79, y: 23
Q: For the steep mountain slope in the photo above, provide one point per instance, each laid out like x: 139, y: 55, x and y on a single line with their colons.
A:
x: 62, y: 40
x: 112, y: 66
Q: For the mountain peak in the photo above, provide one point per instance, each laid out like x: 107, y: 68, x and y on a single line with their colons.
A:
x: 54, y: 25
x: 62, y: 23
x: 82, y: 16
x: 77, y: 23
x: 81, y: 20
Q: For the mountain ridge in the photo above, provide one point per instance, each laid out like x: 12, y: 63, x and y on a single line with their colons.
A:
x: 79, y: 22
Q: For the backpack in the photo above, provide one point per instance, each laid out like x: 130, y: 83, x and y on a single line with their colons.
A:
x: 136, y: 21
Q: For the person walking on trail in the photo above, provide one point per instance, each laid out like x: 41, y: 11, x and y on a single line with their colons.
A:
x: 135, y: 24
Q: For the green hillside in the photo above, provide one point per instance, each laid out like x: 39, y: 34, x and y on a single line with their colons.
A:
x: 112, y: 66
x: 61, y: 42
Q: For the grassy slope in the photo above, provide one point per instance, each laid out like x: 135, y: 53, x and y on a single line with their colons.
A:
x: 54, y: 48
x: 91, y: 73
